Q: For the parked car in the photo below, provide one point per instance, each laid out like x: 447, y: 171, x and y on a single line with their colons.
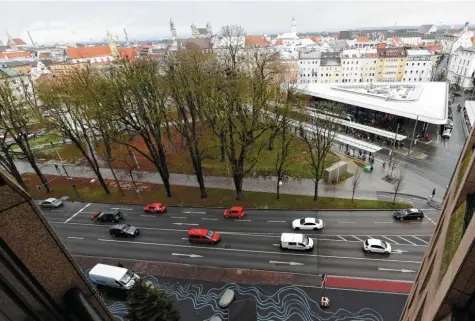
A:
x: 409, y: 214
x: 51, y: 203
x: 111, y: 215
x: 308, y: 223
x: 203, y: 235
x: 447, y: 133
x: 293, y: 241
x: 235, y: 211
x: 125, y: 230
x: 376, y: 246
x: 155, y: 208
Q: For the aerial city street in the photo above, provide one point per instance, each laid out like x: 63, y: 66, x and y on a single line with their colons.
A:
x: 288, y: 166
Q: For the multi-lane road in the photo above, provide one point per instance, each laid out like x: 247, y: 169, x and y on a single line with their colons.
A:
x: 252, y: 242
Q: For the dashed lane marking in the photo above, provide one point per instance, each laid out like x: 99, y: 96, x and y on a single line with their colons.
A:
x: 179, y: 217
x: 427, y: 217
x: 209, y: 219
x: 123, y: 209
x: 75, y: 237
x: 239, y: 220
x: 407, y: 240
x: 425, y: 242
x: 357, y: 238
x: 346, y: 222
x: 276, y: 221
x: 382, y: 222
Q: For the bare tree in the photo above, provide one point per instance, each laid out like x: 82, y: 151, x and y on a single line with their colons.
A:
x: 7, y: 159
x: 355, y: 182
x: 397, y: 186
x: 188, y: 80
x: 15, y: 114
x: 140, y: 105
x: 319, y: 134
x: 67, y: 101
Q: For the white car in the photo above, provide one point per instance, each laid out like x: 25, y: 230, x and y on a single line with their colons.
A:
x: 292, y: 241
x: 308, y: 223
x: 376, y: 246
x: 447, y: 133
x: 51, y: 203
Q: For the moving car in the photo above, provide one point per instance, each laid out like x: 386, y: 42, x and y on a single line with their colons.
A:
x: 235, y: 211
x: 155, y: 208
x: 112, y: 276
x: 409, y: 214
x: 126, y: 230
x: 308, y: 223
x: 376, y: 246
x: 51, y: 203
x: 293, y: 241
x: 203, y: 235
x: 111, y: 215
x: 447, y: 133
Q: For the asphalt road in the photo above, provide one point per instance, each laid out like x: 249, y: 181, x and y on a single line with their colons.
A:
x: 252, y: 242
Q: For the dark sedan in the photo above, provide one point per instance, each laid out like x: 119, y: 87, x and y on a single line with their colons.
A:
x: 409, y: 214
x: 125, y: 230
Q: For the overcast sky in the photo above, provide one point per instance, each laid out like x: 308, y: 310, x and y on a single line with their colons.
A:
x: 66, y: 21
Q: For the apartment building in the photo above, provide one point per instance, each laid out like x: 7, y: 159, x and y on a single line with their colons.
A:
x: 390, y: 64
x: 462, y: 68
x: 445, y: 285
x: 358, y: 65
x: 330, y: 68
x: 309, y: 64
x: 419, y: 65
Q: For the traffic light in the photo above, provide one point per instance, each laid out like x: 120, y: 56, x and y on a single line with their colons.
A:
x: 38, y: 187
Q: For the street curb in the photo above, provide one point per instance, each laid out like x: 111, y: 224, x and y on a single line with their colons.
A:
x: 415, y: 196
x: 248, y: 208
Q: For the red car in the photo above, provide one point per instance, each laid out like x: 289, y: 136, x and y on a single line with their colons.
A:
x: 235, y: 211
x: 203, y: 235
x: 155, y: 208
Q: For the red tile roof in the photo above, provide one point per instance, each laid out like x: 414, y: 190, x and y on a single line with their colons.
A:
x: 19, y: 42
x: 88, y: 52
x: 44, y: 55
x: 433, y: 47
x: 362, y: 39
x: 279, y: 42
x: 255, y: 41
x: 128, y: 53
x: 381, y: 45
x: 14, y: 54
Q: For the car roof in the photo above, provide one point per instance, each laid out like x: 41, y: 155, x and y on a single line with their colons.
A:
x: 236, y: 208
x: 111, y: 271
x: 110, y: 211
x: 51, y: 199
x: 291, y: 237
x: 413, y: 210
x: 118, y: 226
x: 310, y: 220
x: 155, y: 204
x: 198, y: 231
x: 375, y: 242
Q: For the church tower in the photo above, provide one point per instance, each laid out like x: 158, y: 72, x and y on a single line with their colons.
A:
x: 209, y: 31
x: 173, y: 30
x: 112, y: 45
x: 294, y: 25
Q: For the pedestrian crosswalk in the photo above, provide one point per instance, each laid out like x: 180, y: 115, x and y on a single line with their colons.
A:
x: 412, y: 240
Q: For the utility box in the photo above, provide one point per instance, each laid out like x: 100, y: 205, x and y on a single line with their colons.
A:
x: 333, y: 173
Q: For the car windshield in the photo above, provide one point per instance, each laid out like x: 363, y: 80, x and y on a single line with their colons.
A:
x: 305, y: 240
x: 384, y: 244
x: 209, y: 234
x: 302, y: 221
x: 126, y: 227
x: 127, y: 277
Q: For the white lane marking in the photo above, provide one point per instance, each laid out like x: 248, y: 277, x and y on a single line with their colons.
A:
x: 288, y: 263
x: 343, y: 239
x: 419, y: 222
x: 188, y: 255
x: 357, y: 238
x: 239, y: 220
x: 275, y: 244
x: 143, y: 215
x: 209, y: 219
x: 190, y: 224
x: 427, y: 217
x: 75, y: 237
x: 397, y: 270
x: 184, y: 238
x: 191, y: 212
x: 425, y: 242
x: 346, y: 222
x: 256, y: 251
x: 382, y: 222
x: 277, y: 221
x: 399, y: 251
x: 84, y: 212
x: 390, y: 240
x: 122, y: 209
x: 74, y: 215
x: 179, y: 217
x: 407, y: 240
x: 56, y: 210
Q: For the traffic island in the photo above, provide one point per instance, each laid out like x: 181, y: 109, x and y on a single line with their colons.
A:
x: 143, y: 193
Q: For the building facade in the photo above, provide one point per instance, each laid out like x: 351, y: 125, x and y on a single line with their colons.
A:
x: 419, y: 65
x: 445, y: 285
x: 358, y: 65
x: 462, y: 68
x: 390, y: 64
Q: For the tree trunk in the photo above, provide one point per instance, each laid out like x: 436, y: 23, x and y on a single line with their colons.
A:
x: 278, y: 189
x: 164, y: 171
x: 16, y: 175
x: 222, y: 138
x: 116, y: 180
x: 352, y: 196
x: 394, y: 199
x: 195, y: 159
x: 271, y: 142
x: 237, y: 178
x: 38, y: 172
x: 315, y: 191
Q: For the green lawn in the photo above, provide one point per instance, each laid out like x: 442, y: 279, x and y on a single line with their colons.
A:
x: 453, y: 238
x: 69, y: 153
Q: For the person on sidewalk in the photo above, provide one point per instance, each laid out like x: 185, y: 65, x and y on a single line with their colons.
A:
x: 431, y: 196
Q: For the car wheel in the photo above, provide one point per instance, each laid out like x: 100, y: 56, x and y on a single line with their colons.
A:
x: 400, y: 218
x: 112, y: 234
x: 418, y: 218
x: 297, y: 228
x: 315, y: 228
x: 367, y: 250
x: 386, y: 253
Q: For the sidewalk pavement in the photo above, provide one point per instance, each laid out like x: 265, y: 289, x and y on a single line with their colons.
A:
x: 370, y: 183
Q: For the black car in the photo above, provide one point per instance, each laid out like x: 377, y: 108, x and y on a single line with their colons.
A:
x: 409, y: 214
x: 114, y: 216
x: 125, y: 230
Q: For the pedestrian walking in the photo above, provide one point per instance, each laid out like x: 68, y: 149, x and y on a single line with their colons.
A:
x: 384, y: 165
x: 433, y: 193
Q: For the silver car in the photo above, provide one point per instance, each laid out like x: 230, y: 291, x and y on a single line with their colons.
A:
x: 51, y: 203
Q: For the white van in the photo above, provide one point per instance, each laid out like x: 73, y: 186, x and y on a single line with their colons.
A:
x: 294, y: 241
x: 113, y: 276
